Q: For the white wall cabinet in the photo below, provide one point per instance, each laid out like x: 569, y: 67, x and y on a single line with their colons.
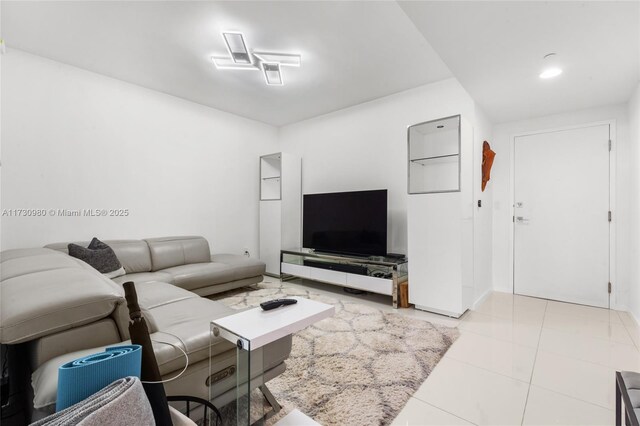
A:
x: 280, y: 207
x: 441, y: 216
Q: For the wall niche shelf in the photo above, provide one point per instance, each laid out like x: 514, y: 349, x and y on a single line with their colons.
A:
x: 270, y: 173
x: 440, y: 215
x: 435, y: 147
x: 435, y: 157
x: 280, y: 204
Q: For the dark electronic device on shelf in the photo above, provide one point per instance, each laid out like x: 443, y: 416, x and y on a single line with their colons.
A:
x: 380, y: 274
x: 342, y: 267
x: 276, y: 303
x: 396, y: 256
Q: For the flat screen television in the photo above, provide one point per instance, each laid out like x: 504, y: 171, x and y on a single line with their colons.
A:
x: 352, y: 223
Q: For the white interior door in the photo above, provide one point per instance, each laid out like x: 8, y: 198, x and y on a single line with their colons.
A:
x: 561, y: 215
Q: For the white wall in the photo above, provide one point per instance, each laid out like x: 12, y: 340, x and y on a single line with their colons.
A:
x: 72, y: 139
x: 502, y: 177
x: 365, y: 147
x: 634, y: 208
x: 483, y: 229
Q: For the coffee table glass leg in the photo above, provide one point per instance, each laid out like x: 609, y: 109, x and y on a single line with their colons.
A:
x: 243, y: 383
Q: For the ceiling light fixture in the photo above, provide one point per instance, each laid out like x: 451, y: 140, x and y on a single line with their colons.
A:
x: 242, y: 58
x: 272, y: 74
x: 237, y: 47
x: 284, y: 59
x: 227, y: 63
x: 551, y: 68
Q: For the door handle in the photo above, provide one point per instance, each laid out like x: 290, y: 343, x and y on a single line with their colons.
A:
x: 521, y: 219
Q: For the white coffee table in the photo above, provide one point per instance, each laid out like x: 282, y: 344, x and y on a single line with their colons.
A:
x: 258, y: 328
x: 297, y: 418
x: 250, y: 331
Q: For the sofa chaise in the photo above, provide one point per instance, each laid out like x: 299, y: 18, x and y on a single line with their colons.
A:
x: 58, y: 308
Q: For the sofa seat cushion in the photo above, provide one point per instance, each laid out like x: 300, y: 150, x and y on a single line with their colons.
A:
x: 153, y: 294
x: 243, y: 267
x: 181, y: 318
x: 144, y: 277
x: 198, y: 275
x: 186, y: 323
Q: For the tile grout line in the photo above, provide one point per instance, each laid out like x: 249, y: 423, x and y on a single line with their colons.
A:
x: 624, y: 324
x: 454, y: 415
x: 538, y: 349
x: 498, y: 339
x: 560, y: 355
x: 440, y: 408
x: 574, y: 398
x: 485, y: 369
x: 588, y: 335
x: 533, y: 368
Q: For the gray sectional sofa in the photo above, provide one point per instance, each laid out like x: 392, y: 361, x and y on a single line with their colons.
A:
x: 183, y: 261
x: 60, y: 308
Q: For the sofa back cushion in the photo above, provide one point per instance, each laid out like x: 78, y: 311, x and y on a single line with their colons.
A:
x: 49, y: 292
x: 167, y: 252
x: 133, y: 254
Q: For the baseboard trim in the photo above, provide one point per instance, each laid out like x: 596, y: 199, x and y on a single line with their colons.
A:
x: 482, y: 298
x: 439, y: 311
x: 633, y: 316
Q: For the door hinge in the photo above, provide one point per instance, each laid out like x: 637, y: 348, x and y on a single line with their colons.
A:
x: 609, y: 216
x: 609, y: 288
x: 609, y: 144
x: 513, y: 219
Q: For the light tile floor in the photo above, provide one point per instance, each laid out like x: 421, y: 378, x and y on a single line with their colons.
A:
x: 521, y: 360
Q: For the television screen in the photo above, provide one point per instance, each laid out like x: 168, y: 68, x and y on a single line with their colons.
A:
x: 346, y: 222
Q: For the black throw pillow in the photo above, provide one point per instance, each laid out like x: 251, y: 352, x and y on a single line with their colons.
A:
x: 100, y: 256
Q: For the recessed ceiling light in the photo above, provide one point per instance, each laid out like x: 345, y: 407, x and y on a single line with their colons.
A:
x: 551, y: 68
x: 272, y: 74
x: 550, y: 72
x: 237, y: 47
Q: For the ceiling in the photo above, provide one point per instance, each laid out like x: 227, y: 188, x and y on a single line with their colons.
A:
x: 495, y: 50
x: 352, y: 52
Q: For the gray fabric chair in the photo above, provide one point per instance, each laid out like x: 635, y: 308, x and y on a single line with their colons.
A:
x: 628, y: 392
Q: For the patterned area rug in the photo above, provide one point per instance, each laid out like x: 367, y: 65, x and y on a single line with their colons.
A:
x: 359, y: 367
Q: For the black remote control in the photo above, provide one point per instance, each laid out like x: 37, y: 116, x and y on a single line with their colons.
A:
x: 276, y: 303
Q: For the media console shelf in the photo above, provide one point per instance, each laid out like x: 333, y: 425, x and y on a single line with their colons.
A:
x: 380, y: 275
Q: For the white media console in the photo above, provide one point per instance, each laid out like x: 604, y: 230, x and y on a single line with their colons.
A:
x: 375, y: 274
